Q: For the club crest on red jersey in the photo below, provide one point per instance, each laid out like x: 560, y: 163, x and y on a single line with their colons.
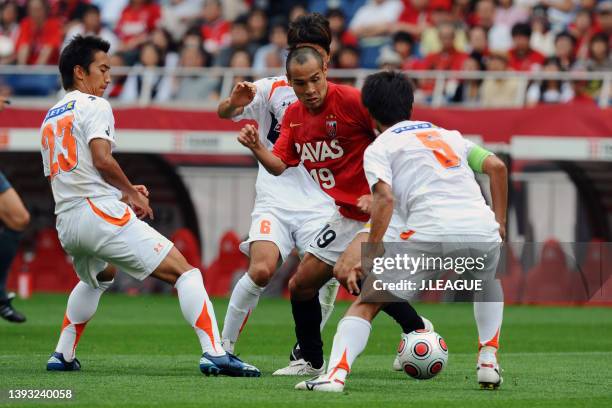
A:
x: 331, y: 126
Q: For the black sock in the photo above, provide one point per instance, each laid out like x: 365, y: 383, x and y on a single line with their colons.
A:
x: 307, y: 317
x: 405, y: 315
x: 9, y: 242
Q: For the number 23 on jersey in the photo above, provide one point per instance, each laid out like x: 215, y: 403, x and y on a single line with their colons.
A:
x: 60, y: 140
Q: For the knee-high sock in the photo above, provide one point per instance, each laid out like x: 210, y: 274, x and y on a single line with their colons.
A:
x: 350, y: 340
x: 82, y: 305
x: 307, y: 318
x: 9, y: 242
x: 242, y: 303
x: 327, y: 297
x: 198, y: 311
x: 489, y: 312
x: 405, y: 315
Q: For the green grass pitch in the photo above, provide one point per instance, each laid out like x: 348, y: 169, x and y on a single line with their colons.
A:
x: 138, y: 351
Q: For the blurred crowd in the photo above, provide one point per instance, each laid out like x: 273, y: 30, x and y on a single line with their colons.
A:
x: 491, y: 35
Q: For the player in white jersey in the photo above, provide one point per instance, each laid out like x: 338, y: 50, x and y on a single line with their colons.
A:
x: 424, y: 175
x: 98, y: 212
x: 289, y: 210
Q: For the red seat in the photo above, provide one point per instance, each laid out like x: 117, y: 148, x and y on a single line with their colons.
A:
x: 188, y: 245
x: 219, y: 274
x: 52, y: 271
x: 550, y: 280
x: 603, y: 293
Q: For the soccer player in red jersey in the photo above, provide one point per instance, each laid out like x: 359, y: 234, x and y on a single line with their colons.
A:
x: 327, y: 130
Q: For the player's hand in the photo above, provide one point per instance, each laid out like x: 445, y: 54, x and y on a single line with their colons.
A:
x: 242, y: 94
x: 140, y: 204
x: 142, y: 189
x: 249, y: 137
x: 353, y: 278
x: 502, y: 231
x: 364, y: 203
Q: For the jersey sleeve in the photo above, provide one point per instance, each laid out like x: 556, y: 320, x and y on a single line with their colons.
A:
x: 99, y: 122
x: 257, y: 108
x: 284, y: 148
x: 376, y: 165
x: 476, y: 155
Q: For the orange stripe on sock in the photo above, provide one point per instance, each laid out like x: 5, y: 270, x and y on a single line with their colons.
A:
x: 342, y: 365
x: 494, y: 342
x: 120, y: 222
x: 66, y: 321
x: 79, y: 327
x: 244, y: 321
x: 204, y: 323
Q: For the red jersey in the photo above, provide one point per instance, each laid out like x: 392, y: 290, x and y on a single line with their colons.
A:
x: 136, y: 21
x: 50, y: 34
x: 529, y: 62
x: 330, y: 145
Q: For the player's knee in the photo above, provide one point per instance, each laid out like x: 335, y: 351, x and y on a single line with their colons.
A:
x: 299, y: 291
x: 260, y: 273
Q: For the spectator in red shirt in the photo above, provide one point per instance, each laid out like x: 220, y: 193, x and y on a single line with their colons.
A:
x: 448, y: 59
x: 137, y: 20
x: 522, y: 57
x: 582, y: 29
x: 215, y: 29
x: 414, y: 18
x: 40, y: 37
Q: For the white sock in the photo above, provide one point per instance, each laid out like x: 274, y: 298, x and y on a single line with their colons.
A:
x: 350, y: 340
x: 198, y: 311
x: 242, y: 303
x: 489, y: 313
x: 82, y: 305
x: 327, y: 297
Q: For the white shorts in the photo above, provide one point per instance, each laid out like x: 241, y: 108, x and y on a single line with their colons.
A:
x: 103, y: 231
x: 334, y: 236
x: 286, y: 228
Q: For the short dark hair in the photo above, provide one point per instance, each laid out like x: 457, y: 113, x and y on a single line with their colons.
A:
x: 402, y: 36
x: 80, y: 51
x: 388, y: 96
x: 565, y: 34
x: 522, y: 29
x: 301, y: 55
x: 310, y: 28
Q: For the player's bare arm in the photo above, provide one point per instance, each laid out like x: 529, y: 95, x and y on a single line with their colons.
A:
x: 498, y: 181
x: 112, y: 173
x: 249, y: 138
x: 242, y: 94
x: 381, y: 210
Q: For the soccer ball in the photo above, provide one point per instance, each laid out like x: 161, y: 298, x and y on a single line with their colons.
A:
x: 422, y: 354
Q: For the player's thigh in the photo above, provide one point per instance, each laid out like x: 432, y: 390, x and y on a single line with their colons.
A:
x: 307, y: 226
x: 13, y: 213
x: 171, y: 267
x: 311, y: 275
x: 334, y: 237
x: 349, y: 258
x: 263, y: 261
x: 272, y: 225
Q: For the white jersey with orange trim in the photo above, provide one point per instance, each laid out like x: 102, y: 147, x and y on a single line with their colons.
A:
x: 295, y: 189
x: 66, y: 132
x: 436, y: 193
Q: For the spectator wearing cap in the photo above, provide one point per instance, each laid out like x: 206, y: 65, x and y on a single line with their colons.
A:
x: 215, y: 29
x: 522, y: 57
x: 40, y: 36
x: 275, y: 53
x: 239, y: 40
x: 499, y: 92
x: 550, y: 91
x: 91, y: 24
x: 138, y: 19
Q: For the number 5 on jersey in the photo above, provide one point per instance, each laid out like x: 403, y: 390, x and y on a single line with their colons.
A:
x: 67, y: 158
x: 441, y: 150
